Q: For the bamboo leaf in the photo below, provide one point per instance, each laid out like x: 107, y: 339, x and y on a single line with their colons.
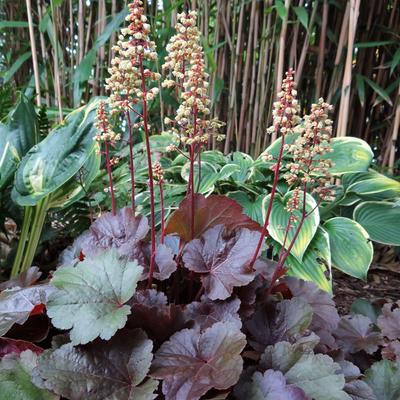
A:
x: 302, y: 15
x: 395, y: 62
x: 13, y: 24
x: 16, y: 66
x: 380, y: 91
x: 365, y: 45
x: 280, y: 9
x: 361, y: 88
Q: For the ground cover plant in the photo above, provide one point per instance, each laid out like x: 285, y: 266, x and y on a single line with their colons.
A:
x: 194, y: 294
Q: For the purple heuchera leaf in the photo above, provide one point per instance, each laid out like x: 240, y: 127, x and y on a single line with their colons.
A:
x: 325, y: 316
x: 272, y: 385
x: 389, y: 321
x: 8, y: 346
x: 123, y: 231
x: 206, y: 312
x: 356, y: 333
x: 151, y: 313
x: 17, y: 304
x: 115, y: 369
x: 191, y: 362
x: 391, y: 350
x: 24, y: 279
x: 359, y: 390
x: 165, y: 264
x: 287, y: 320
x: 222, y: 259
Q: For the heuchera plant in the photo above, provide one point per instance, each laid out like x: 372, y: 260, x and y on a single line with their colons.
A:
x: 195, y: 310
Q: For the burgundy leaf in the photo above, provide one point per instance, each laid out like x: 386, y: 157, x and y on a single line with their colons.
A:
x: 391, y: 350
x: 389, y: 321
x: 206, y: 313
x: 209, y: 211
x: 191, y: 362
x: 123, y: 231
x: 286, y: 321
x: 35, y: 329
x: 115, y: 369
x: 165, y: 264
x: 325, y: 316
x: 222, y: 259
x: 17, y: 304
x: 248, y: 295
x: 151, y: 313
x: 359, y: 390
x: 356, y: 333
x: 24, y: 279
x: 272, y: 386
x: 8, y: 346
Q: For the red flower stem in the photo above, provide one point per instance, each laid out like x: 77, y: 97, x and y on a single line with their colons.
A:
x: 131, y: 164
x: 109, y: 172
x: 162, y: 210
x: 264, y: 231
x: 191, y: 179
x: 280, y: 270
x: 150, y: 172
x: 199, y: 167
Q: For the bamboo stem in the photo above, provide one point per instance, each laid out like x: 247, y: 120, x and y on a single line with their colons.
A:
x: 33, y: 50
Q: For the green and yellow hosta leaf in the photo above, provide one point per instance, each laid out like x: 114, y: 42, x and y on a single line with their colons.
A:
x: 280, y: 218
x: 381, y: 220
x: 379, y: 186
x: 90, y: 298
x: 316, y: 264
x: 349, y: 154
x: 55, y: 160
x: 351, y: 248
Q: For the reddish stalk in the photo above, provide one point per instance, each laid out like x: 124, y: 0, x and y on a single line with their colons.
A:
x: 162, y: 210
x: 131, y: 164
x: 109, y: 172
x: 150, y: 171
x: 191, y: 179
x: 264, y: 231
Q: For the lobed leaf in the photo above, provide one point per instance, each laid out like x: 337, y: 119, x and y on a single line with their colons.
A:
x: 209, y: 212
x: 100, y: 370
x: 222, y: 258
x: 191, y: 362
x: 206, y: 313
x: 356, y: 333
x: 17, y: 304
x: 389, y: 321
x: 90, y: 298
x: 272, y: 385
x: 316, y: 374
x: 384, y: 379
x: 285, y: 322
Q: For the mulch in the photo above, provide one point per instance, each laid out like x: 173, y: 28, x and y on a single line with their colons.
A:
x: 382, y: 285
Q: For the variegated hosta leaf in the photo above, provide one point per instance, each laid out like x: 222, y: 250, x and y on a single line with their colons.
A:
x: 55, y: 160
x: 351, y: 248
x: 381, y: 220
x: 280, y: 217
x: 350, y: 154
x: 316, y: 264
